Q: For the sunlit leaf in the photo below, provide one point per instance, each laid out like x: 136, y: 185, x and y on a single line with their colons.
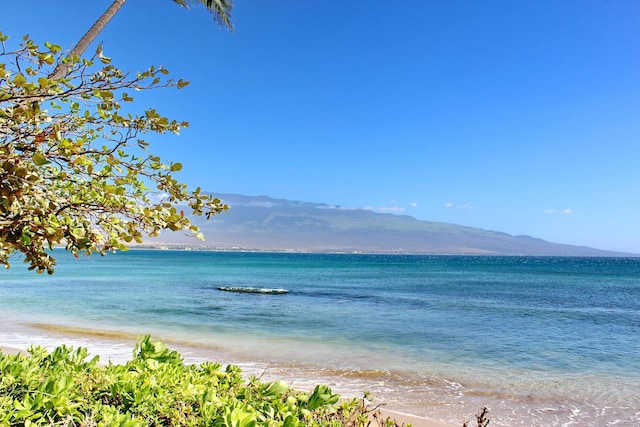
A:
x: 40, y: 159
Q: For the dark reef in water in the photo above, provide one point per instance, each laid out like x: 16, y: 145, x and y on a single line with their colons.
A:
x: 247, y: 290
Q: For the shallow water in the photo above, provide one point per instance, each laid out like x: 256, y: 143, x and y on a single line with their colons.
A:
x: 546, y: 341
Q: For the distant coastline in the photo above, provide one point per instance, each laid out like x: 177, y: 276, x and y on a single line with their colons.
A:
x: 206, y: 248
x: 263, y: 224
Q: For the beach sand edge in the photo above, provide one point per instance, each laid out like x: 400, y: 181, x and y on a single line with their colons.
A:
x: 400, y: 418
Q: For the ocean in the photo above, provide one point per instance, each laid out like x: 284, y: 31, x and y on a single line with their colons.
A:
x: 546, y: 341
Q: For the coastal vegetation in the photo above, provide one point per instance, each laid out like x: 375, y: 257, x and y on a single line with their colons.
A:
x: 156, y: 388
x: 74, y: 166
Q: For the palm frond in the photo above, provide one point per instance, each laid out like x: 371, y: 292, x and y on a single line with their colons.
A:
x: 221, y: 10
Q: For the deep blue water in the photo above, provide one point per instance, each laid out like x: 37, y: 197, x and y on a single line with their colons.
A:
x: 560, y: 332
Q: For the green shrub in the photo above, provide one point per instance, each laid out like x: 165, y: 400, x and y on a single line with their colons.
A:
x: 156, y: 388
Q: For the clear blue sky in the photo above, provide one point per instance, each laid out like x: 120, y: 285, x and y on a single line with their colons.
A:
x: 521, y: 116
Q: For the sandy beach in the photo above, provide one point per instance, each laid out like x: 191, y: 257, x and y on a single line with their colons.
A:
x: 401, y: 419
x: 9, y: 350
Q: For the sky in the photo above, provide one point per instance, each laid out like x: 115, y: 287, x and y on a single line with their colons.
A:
x: 519, y: 116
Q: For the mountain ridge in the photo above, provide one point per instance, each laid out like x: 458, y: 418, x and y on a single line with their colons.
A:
x: 268, y: 224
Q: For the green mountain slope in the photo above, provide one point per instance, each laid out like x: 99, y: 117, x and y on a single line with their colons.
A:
x: 264, y: 223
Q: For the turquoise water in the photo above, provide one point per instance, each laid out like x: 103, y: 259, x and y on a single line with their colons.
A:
x: 540, y: 341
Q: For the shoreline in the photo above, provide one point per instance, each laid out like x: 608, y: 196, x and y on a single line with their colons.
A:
x: 420, y: 403
x: 536, y: 342
x: 403, y: 419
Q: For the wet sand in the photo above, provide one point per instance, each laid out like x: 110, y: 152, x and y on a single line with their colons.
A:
x: 413, y: 420
x: 9, y: 350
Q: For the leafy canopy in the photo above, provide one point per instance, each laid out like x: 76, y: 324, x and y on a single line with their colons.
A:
x: 74, y: 167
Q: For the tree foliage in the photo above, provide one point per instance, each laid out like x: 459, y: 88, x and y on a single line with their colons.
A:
x: 74, y: 167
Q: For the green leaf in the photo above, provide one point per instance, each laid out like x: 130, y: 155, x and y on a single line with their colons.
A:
x: 40, y: 159
x: 291, y: 421
x: 25, y: 239
x: 276, y: 388
x: 19, y: 80
x: 176, y: 167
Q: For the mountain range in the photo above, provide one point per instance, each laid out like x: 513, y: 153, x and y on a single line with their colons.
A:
x: 268, y: 224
